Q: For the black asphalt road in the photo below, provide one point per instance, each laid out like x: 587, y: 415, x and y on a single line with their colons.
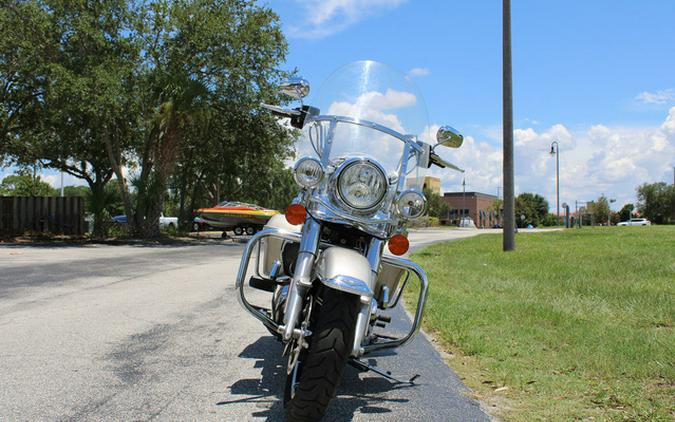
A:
x: 137, y: 333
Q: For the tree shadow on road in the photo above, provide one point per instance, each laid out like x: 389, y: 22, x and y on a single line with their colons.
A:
x: 355, y: 393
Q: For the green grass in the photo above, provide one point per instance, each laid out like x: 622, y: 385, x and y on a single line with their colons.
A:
x: 576, y: 324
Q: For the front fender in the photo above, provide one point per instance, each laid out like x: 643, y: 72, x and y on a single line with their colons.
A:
x: 346, y: 270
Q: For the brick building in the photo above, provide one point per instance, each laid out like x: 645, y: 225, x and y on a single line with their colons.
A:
x: 478, y: 206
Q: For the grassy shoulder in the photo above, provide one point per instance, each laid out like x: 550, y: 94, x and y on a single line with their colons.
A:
x: 575, y: 324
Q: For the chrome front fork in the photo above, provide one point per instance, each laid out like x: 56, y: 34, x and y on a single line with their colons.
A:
x: 302, y: 276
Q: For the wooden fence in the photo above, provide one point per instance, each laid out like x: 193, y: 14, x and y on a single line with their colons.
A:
x: 47, y: 214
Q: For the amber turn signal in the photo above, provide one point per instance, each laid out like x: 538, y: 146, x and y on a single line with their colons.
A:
x: 398, y: 244
x: 295, y: 214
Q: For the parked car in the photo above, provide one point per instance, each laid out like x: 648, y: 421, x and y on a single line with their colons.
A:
x: 636, y: 222
x: 168, y: 222
x: 164, y: 222
x: 467, y: 222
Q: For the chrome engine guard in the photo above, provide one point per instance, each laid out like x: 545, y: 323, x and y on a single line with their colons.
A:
x: 402, y: 263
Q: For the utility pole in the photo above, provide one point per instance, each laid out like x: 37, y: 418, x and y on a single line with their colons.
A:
x: 556, y: 151
x: 509, y: 241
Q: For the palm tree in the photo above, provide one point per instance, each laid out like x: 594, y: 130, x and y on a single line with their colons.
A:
x: 181, y: 102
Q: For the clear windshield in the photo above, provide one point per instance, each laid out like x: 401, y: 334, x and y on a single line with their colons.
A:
x: 367, y: 91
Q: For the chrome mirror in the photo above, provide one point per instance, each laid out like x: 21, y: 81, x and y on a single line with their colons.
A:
x: 449, y: 137
x: 296, y: 88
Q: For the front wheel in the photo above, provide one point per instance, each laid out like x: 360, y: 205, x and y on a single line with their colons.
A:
x: 315, y: 375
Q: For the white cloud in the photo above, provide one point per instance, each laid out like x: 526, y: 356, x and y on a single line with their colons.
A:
x: 374, y: 106
x: 326, y: 17
x: 53, y: 177
x: 669, y: 124
x: 659, y: 97
x: 417, y: 72
x: 597, y: 160
x: 52, y: 180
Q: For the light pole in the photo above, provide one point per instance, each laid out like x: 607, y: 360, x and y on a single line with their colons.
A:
x: 556, y: 151
x: 463, y: 201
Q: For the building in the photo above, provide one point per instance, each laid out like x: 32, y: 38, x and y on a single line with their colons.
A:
x: 428, y: 182
x: 478, y: 206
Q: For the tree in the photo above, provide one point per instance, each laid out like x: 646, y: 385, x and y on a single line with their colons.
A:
x: 550, y: 220
x: 656, y: 202
x: 161, y: 95
x: 25, y: 184
x: 436, y: 206
x: 27, y: 45
x: 209, y: 67
x: 434, y: 203
x: 614, y: 218
x: 626, y: 212
x: 600, y: 210
x: 85, y: 63
x: 533, y: 207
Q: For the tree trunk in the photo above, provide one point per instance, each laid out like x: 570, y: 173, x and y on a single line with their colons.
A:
x: 97, y: 208
x: 114, y: 163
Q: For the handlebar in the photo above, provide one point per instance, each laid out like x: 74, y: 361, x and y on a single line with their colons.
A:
x: 280, y: 111
x: 435, y: 159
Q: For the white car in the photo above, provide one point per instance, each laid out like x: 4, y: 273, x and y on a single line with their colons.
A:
x: 636, y: 222
x: 164, y: 222
x: 467, y: 222
x: 168, y: 222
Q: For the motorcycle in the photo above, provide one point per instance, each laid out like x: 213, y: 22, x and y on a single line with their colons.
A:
x: 360, y: 178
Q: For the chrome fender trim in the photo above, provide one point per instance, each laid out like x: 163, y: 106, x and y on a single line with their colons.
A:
x: 348, y: 284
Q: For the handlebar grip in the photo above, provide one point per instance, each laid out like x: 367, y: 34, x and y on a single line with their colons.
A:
x: 435, y: 159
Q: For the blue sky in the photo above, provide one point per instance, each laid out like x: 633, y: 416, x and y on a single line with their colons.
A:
x: 580, y: 62
x: 599, y: 76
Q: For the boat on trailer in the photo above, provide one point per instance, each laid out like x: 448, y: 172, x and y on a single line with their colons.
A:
x: 233, y: 216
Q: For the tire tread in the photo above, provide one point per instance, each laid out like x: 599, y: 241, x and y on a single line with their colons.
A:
x: 329, y: 349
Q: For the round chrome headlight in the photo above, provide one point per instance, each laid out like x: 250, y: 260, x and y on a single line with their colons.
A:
x: 362, y: 185
x: 308, y: 172
x: 411, y: 204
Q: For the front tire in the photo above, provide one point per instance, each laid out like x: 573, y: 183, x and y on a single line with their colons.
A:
x: 319, y: 367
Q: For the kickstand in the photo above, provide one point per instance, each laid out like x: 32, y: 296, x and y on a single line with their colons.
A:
x: 365, y: 367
